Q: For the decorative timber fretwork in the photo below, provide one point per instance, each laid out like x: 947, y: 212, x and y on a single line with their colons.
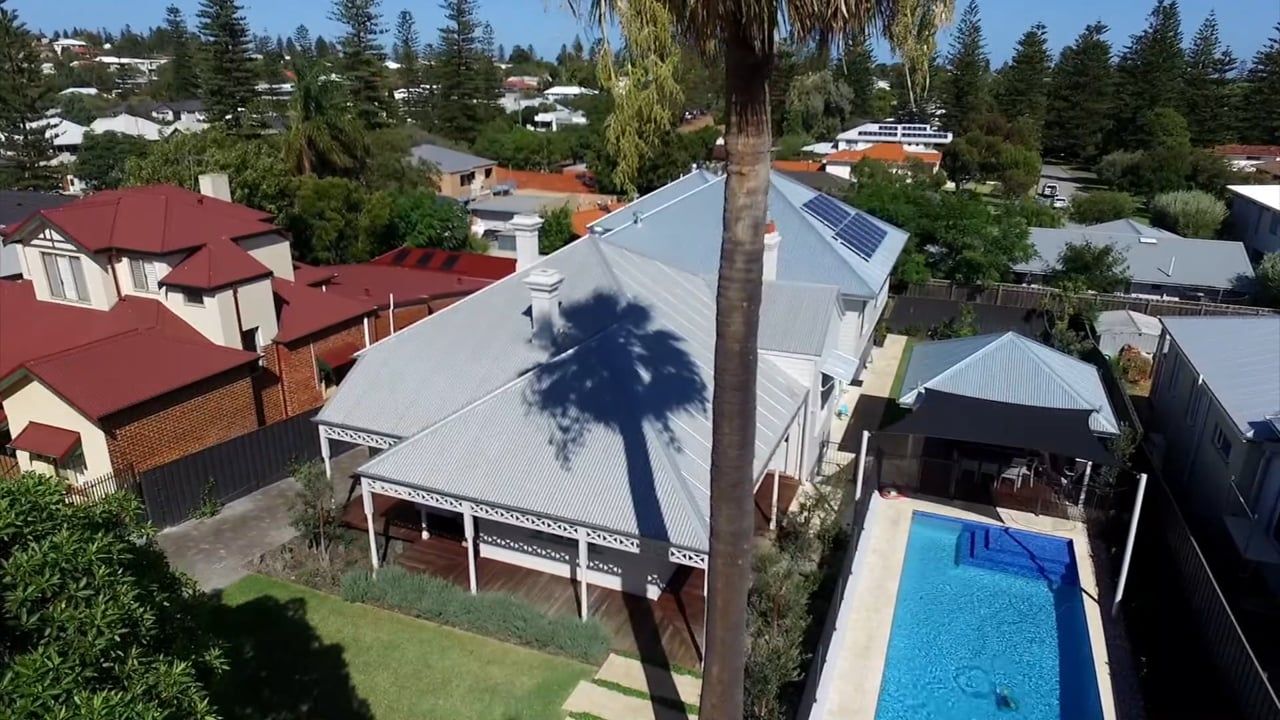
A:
x: 688, y: 557
x: 355, y: 436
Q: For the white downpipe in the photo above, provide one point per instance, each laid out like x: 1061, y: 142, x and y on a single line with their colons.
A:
x: 391, y: 314
x: 862, y: 465
x: 1128, y: 544
x: 773, y: 505
x: 366, y: 497
x: 324, y: 453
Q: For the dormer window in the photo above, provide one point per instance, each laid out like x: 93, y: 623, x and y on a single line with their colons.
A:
x: 144, y: 275
x: 66, y: 277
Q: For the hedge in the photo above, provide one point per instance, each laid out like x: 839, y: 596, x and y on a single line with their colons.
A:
x: 496, y: 615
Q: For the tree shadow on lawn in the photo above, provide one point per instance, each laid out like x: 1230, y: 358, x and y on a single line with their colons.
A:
x: 279, y: 668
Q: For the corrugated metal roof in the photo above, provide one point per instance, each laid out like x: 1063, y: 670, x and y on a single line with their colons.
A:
x: 1009, y: 368
x: 797, y: 318
x: 1239, y: 358
x: 686, y: 233
x: 1126, y: 321
x: 1169, y: 260
x: 615, y: 432
x: 450, y: 161
x: 1127, y: 226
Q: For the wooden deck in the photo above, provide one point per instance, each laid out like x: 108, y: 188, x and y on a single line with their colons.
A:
x: 664, y: 631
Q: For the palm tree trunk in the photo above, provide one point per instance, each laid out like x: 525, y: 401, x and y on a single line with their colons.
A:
x: 733, y: 404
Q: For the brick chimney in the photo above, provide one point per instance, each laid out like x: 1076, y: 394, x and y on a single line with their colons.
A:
x: 544, y: 304
x: 525, y: 227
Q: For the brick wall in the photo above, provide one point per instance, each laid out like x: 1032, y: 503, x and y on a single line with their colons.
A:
x: 266, y: 388
x: 405, y: 316
x: 297, y: 364
x: 182, y: 422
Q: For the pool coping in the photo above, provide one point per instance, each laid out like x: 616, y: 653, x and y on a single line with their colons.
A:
x: 849, y: 686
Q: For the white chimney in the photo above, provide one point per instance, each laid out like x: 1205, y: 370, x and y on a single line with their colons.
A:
x: 525, y: 227
x: 544, y: 305
x: 216, y: 185
x: 772, y: 239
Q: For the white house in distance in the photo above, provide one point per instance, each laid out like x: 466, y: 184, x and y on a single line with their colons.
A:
x: 562, y: 418
x: 127, y: 125
x: 567, y: 92
x: 1255, y: 218
x: 559, y: 118
x: 920, y: 139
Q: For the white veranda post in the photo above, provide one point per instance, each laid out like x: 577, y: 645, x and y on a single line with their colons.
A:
x: 582, y: 576
x: 773, y: 504
x: 469, y: 528
x: 324, y: 453
x: 366, y: 496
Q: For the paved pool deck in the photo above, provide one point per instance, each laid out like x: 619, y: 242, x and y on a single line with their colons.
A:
x: 850, y: 683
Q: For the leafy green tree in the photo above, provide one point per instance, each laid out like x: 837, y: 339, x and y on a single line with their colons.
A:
x: 226, y: 71
x: 817, y: 105
x: 973, y: 247
x: 323, y: 49
x: 1207, y: 88
x: 856, y: 69
x: 304, y: 49
x: 464, y: 87
x: 323, y: 135
x: 1019, y: 170
x: 420, y: 218
x: 1267, y: 278
x: 556, y: 230
x: 361, y: 60
x: 103, y: 156
x: 912, y: 32
x: 1086, y: 266
x: 96, y: 624
x: 82, y: 109
x: 326, y: 219
x: 258, y: 178
x: 966, y: 96
x: 1166, y: 160
x: 1189, y: 213
x: 315, y: 514
x: 1022, y: 89
x: 26, y: 149
x: 179, y: 76
x: 965, y: 324
x: 1081, y: 95
x: 1150, y: 72
x: 405, y: 51
x: 1102, y: 206
x: 1262, y: 96
x: 1035, y: 214
x: 1114, y: 169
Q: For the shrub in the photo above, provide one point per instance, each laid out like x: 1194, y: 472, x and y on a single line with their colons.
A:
x: 1115, y: 168
x: 1135, y: 367
x: 1190, y: 213
x: 1268, y: 280
x: 496, y: 615
x: 1102, y: 206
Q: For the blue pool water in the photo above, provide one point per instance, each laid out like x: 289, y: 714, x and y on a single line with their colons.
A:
x: 989, y: 625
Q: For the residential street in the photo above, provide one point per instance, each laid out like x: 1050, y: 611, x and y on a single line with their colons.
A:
x: 1069, y: 181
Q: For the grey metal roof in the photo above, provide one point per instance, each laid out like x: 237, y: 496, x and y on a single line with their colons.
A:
x: 10, y: 264
x: 1126, y: 321
x: 797, y: 318
x: 1239, y: 358
x: 1194, y: 263
x: 613, y: 431
x: 686, y: 231
x: 1009, y: 368
x: 516, y: 204
x: 1128, y: 226
x: 450, y: 161
x: 17, y: 205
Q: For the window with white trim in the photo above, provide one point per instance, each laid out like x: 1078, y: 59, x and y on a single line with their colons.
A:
x: 193, y: 297
x: 145, y: 278
x: 1222, y: 442
x: 66, y: 277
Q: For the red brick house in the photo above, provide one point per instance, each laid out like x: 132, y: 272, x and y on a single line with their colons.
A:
x: 153, y: 322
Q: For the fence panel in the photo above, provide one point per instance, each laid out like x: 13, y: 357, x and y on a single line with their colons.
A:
x: 229, y: 470
x: 1031, y: 296
x: 1243, y: 676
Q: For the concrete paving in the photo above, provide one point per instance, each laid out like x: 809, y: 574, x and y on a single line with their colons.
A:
x: 636, y: 675
x: 866, y: 403
x: 607, y: 704
x: 215, y: 550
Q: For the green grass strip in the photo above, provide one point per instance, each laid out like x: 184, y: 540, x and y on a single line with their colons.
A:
x: 642, y: 695
x: 675, y: 669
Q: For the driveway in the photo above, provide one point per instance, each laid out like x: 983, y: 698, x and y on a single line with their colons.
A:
x: 215, y: 550
x: 1069, y: 181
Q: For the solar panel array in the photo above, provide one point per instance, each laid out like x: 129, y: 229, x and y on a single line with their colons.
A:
x: 852, y: 229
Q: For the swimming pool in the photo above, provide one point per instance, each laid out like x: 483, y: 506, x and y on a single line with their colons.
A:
x: 988, y: 623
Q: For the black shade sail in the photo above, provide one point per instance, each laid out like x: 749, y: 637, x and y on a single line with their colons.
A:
x: 967, y: 419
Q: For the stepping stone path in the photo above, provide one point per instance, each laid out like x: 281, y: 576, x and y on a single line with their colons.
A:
x: 664, y: 699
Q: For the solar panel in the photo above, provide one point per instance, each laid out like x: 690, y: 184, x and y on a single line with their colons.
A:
x: 424, y: 259
x: 450, y: 261
x: 400, y: 255
x: 826, y: 210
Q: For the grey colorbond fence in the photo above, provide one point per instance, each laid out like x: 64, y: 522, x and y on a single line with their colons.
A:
x: 1027, y: 296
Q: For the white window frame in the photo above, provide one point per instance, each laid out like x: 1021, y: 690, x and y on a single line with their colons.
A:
x: 146, y: 270
x: 67, y: 277
x: 188, y: 295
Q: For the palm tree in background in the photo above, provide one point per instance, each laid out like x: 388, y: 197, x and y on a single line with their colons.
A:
x: 744, y: 34
x: 323, y: 134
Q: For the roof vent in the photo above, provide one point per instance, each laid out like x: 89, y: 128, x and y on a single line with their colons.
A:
x: 598, y: 230
x: 1148, y: 241
x: 637, y: 217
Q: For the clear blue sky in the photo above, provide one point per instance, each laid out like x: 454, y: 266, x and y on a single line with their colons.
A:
x: 1246, y: 24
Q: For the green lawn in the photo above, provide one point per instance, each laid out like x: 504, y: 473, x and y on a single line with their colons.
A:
x: 295, y: 652
x: 892, y: 411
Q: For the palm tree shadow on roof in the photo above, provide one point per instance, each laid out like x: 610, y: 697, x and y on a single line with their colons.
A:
x: 621, y: 372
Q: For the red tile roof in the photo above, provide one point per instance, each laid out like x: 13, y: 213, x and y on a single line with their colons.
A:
x: 218, y: 264
x: 105, y: 361
x: 797, y: 165
x: 46, y: 440
x: 131, y: 368
x: 340, y: 354
x: 466, y: 264
x: 376, y: 284
x: 1270, y: 151
x: 305, y: 310
x: 546, y: 182
x: 582, y: 219
x: 884, y: 152
x: 153, y: 219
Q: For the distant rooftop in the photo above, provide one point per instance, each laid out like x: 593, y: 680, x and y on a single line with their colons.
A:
x: 1239, y: 358
x: 449, y: 161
